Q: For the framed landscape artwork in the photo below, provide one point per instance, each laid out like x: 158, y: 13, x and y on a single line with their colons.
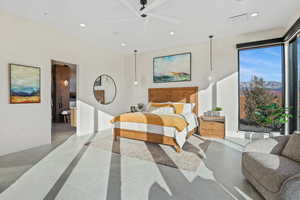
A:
x: 25, y: 84
x: 172, y: 68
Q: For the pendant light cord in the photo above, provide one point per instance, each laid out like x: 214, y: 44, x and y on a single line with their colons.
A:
x: 211, y: 51
x: 135, y: 52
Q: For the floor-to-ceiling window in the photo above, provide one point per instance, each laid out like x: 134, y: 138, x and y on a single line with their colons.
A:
x: 261, y: 75
x: 294, y: 83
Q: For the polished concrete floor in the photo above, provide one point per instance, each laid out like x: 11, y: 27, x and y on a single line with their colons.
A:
x: 77, y: 170
x: 14, y: 165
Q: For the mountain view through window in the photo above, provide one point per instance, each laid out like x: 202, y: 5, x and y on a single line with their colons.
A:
x: 261, y: 75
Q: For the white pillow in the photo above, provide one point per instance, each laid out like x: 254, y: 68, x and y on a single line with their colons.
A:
x: 148, y: 107
x: 161, y: 110
x: 187, y: 107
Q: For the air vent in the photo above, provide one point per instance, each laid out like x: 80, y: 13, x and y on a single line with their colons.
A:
x: 239, y: 18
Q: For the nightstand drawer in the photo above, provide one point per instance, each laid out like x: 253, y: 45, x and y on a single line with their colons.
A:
x: 210, y: 128
x: 212, y: 125
x: 209, y: 132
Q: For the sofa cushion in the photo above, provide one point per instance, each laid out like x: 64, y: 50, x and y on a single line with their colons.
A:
x: 292, y: 148
x: 269, y: 170
x: 273, y: 145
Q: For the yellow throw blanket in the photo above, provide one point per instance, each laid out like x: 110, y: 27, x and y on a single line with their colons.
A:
x: 148, y: 118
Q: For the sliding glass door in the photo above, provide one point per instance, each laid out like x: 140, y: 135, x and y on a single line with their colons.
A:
x: 261, y: 82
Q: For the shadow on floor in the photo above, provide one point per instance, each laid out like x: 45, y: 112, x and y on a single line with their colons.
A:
x: 14, y: 165
x: 114, y: 181
x: 181, y: 188
x: 225, y: 163
x: 220, y: 160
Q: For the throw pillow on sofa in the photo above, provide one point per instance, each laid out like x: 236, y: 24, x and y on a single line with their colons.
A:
x: 292, y: 148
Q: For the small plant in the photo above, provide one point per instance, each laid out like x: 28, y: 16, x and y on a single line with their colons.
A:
x: 217, y: 109
x: 272, y: 116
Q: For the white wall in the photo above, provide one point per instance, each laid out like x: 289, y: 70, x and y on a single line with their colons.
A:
x: 30, y: 43
x: 225, y: 73
x: 24, y: 42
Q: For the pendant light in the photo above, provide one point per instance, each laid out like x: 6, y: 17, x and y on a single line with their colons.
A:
x: 135, y: 79
x: 210, y: 77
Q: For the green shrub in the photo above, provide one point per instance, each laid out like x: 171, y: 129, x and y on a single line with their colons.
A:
x: 272, y: 116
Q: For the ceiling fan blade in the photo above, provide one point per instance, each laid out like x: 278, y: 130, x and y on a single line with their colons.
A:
x: 130, y: 7
x: 153, y: 5
x: 164, y: 18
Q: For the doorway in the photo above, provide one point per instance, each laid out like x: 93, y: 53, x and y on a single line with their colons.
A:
x: 63, y: 104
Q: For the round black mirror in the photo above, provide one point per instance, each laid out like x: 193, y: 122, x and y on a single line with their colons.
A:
x: 105, y: 89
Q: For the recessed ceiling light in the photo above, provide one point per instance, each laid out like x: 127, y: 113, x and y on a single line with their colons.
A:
x: 255, y: 14
x: 172, y: 33
x: 83, y: 25
x: 123, y: 44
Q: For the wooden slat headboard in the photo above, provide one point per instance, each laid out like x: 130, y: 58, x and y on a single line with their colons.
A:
x: 180, y: 94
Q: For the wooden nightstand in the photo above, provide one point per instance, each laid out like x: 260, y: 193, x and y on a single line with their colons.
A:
x: 212, y: 127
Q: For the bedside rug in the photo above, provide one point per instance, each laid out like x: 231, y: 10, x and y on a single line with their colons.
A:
x: 189, y: 159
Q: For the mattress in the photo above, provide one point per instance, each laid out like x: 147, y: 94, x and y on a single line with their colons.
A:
x: 180, y: 137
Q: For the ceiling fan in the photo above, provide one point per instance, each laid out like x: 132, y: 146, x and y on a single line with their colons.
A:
x: 144, y: 11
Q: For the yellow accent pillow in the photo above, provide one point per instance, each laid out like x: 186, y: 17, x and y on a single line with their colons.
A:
x: 178, y: 108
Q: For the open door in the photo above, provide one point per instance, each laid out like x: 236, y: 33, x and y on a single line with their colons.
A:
x: 64, y: 97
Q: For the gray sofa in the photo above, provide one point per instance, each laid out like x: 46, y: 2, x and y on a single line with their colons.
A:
x: 272, y: 166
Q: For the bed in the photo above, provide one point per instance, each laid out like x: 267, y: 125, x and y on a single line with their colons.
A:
x: 163, y: 134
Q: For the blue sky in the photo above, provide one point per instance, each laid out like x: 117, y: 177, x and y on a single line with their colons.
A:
x: 262, y: 62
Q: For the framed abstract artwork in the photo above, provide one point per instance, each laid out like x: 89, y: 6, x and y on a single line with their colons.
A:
x: 172, y: 68
x: 25, y: 84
